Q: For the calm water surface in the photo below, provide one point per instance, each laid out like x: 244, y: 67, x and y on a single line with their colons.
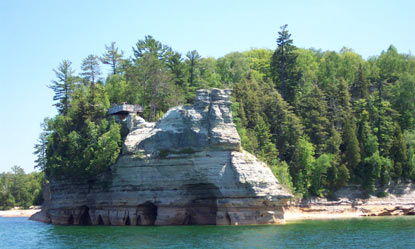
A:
x: 376, y: 232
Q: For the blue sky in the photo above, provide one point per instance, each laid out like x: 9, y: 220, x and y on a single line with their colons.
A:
x: 37, y: 35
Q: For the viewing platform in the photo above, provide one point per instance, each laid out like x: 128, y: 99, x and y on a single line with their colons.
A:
x: 124, y: 109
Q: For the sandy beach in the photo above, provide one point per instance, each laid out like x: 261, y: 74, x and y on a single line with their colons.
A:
x: 19, y: 212
x: 296, y: 214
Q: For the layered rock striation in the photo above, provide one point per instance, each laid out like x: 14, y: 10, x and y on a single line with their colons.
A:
x: 188, y: 168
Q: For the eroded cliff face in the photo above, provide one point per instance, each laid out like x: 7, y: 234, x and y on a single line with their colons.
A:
x: 188, y: 168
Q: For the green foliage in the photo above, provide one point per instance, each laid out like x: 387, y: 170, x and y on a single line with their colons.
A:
x: 90, y: 68
x: 302, y: 167
x: 259, y: 62
x: 351, y: 145
x: 319, y: 119
x: 282, y: 173
x: 20, y: 189
x: 313, y: 110
x: 360, y: 88
x: 116, y: 88
x: 193, y: 61
x: 112, y: 57
x: 382, y: 194
x: 232, y: 68
x: 82, y: 143
x: 63, y: 86
x: 319, y: 181
x: 398, y: 153
x: 409, y: 170
x: 403, y: 101
x: 376, y: 167
x: 283, y: 66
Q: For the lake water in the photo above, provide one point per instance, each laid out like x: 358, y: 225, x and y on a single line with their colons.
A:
x: 374, y: 232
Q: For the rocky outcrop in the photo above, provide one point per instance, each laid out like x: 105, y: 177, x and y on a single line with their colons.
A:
x: 352, y: 201
x: 188, y: 168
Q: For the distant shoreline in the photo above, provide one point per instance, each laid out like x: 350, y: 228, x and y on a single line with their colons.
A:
x: 19, y: 212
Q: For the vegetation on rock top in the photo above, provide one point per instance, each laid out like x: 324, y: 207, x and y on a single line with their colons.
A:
x: 319, y: 119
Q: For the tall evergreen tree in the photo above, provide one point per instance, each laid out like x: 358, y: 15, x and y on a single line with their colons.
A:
x: 313, y: 110
x: 90, y: 69
x: 360, y: 86
x: 152, y: 79
x: 41, y: 146
x: 398, y: 154
x: 285, y: 126
x: 112, y: 57
x: 193, y: 59
x: 177, y: 67
x: 150, y: 46
x: 63, y: 86
x: 283, y: 66
x: 350, y: 145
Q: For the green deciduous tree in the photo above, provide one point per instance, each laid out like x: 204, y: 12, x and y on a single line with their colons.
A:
x: 319, y: 181
x: 302, y: 166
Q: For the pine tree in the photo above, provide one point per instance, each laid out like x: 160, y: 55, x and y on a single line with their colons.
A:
x: 193, y: 59
x: 313, y: 110
x: 398, y: 154
x: 90, y: 68
x: 177, y: 67
x: 266, y: 149
x: 343, y: 101
x: 283, y: 69
x: 351, y: 145
x: 360, y: 86
x: 285, y: 126
x: 150, y: 46
x: 41, y: 146
x: 63, y: 86
x: 112, y: 57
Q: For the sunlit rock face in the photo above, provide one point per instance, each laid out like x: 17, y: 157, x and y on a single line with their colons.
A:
x: 188, y: 168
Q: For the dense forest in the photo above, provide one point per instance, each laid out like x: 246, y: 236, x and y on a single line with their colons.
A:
x: 319, y: 119
x: 20, y: 189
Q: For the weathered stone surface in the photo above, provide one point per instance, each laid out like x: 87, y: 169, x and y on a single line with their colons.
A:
x: 354, y: 201
x: 188, y: 168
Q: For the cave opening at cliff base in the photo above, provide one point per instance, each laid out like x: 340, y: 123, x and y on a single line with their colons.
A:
x: 85, y: 219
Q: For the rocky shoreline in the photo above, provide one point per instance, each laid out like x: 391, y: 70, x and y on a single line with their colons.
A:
x: 352, y: 201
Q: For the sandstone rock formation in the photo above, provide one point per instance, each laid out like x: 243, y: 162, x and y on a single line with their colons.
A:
x: 188, y: 168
